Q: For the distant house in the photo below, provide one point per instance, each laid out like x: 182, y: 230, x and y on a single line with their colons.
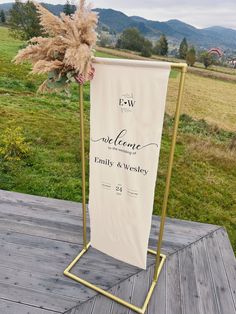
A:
x: 233, y: 63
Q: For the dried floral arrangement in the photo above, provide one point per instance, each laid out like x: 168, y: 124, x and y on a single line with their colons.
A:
x: 66, y: 52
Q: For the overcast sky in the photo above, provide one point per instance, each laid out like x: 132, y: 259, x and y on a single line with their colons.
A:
x: 200, y: 13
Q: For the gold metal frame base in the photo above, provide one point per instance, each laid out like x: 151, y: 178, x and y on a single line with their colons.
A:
x: 109, y: 295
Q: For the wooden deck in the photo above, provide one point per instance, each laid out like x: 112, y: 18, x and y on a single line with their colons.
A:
x: 39, y: 237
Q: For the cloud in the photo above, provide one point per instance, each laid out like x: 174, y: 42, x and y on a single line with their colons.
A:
x: 194, y: 16
x: 201, y: 13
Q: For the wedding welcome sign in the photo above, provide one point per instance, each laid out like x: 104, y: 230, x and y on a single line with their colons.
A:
x: 127, y: 111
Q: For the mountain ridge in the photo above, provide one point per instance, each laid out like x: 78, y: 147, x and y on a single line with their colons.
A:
x: 116, y: 21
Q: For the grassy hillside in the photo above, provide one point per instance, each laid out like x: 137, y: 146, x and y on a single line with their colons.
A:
x: 203, y: 184
x: 209, y: 94
x: 212, y: 71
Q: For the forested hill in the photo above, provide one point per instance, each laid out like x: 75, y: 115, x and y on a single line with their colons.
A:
x: 175, y: 30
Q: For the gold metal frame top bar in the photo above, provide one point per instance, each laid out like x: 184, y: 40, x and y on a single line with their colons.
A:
x: 182, y: 66
x: 138, y: 63
x: 160, y: 258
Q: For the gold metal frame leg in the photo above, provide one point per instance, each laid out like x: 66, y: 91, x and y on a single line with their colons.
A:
x: 81, y: 105
x: 183, y: 68
x: 109, y: 295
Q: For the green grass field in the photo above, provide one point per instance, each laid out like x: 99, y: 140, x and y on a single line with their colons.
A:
x: 203, y: 183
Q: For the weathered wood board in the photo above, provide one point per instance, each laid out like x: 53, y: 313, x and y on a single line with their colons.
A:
x: 39, y: 237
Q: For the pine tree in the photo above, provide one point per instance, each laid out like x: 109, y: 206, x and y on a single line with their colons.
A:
x: 191, y: 56
x: 161, y: 47
x: 24, y: 20
x: 68, y: 8
x: 2, y: 17
x: 183, y: 49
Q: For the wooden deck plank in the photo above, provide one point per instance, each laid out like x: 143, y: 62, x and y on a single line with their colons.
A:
x: 204, y: 279
x: 28, y: 214
x: 35, y: 298
x: 40, y: 212
x: 41, y: 231
x: 173, y: 294
x: 188, y: 286
x: 53, y: 224
x: 84, y: 308
x: 68, y: 208
x: 140, y: 288
x: 72, y: 229
x: 38, y: 281
x: 229, y: 260
x: 61, y: 253
x: 102, y: 304
x: 176, y: 236
x: 9, y: 307
x: 95, y: 266
x: 222, y: 288
x: 124, y: 291
x: 39, y: 201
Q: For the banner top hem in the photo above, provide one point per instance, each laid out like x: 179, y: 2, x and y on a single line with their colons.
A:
x: 136, y: 63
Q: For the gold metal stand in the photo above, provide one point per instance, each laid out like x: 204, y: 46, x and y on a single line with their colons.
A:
x: 160, y: 258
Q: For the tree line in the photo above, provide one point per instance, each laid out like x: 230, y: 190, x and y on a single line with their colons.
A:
x: 131, y: 39
x: 23, y: 22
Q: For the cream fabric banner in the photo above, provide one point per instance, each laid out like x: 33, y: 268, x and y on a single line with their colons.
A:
x: 127, y: 109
